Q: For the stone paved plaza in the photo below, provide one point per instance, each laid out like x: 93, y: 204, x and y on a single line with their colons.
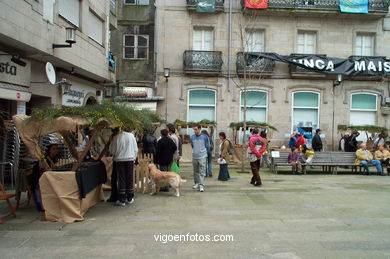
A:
x: 290, y: 216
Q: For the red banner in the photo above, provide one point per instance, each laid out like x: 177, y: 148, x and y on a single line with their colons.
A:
x: 256, y: 4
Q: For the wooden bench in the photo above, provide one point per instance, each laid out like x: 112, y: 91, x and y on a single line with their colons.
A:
x: 329, y: 161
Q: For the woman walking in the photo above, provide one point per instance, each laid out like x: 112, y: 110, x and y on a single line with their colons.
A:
x: 224, y: 157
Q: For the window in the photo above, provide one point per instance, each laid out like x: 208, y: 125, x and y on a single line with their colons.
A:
x: 113, y: 7
x: 256, y: 104
x: 306, y: 43
x: 363, y: 111
x: 203, y: 40
x: 135, y: 46
x: 254, y: 41
x: 95, y: 28
x: 305, y: 110
x: 70, y: 10
x: 364, y: 45
x: 201, y: 105
x: 136, y: 2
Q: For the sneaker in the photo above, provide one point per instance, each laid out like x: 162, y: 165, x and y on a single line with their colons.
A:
x: 119, y: 203
x: 201, y: 188
x: 130, y: 201
x: 196, y: 186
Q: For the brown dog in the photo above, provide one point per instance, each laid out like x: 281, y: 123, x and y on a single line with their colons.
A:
x: 161, y: 179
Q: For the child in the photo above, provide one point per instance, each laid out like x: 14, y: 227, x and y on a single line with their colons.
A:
x: 293, y: 160
x: 308, y: 154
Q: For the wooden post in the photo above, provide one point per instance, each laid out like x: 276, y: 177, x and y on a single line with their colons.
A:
x: 69, y: 143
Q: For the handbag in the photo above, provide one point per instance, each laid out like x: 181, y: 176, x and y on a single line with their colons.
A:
x: 175, y: 168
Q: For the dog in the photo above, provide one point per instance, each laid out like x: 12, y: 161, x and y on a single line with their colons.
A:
x: 161, y: 179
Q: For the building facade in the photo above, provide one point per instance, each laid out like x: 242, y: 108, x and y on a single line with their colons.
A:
x: 204, y: 52
x: 133, y: 45
x: 80, y: 73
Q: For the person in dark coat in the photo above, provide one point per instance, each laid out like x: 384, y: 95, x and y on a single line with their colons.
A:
x: 149, y: 144
x: 166, y: 148
x: 317, y: 142
x: 351, y: 142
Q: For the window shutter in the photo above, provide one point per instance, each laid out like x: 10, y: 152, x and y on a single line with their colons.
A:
x: 208, y: 40
x: 70, y: 10
x: 197, y: 40
x: 95, y: 28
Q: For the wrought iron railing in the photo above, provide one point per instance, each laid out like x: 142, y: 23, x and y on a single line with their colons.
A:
x: 253, y: 64
x: 373, y: 5
x: 202, y: 61
x: 219, y: 5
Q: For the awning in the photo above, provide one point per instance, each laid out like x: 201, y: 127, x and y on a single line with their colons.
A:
x: 14, y: 92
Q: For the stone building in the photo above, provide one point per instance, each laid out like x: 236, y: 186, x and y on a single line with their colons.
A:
x: 203, y: 51
x: 133, y: 45
x: 30, y: 31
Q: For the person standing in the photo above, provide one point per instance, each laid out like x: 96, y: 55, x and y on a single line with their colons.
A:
x: 365, y: 158
x: 300, y: 141
x: 257, y: 147
x: 351, y: 142
x: 209, y: 171
x: 200, y: 146
x: 172, y: 135
x: 149, y: 144
x: 165, y: 151
x: 293, y: 140
x: 317, y: 142
x: 124, y: 149
x: 224, y: 157
x: 263, y: 134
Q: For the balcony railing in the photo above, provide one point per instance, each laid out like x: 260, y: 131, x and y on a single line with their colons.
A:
x: 373, y: 5
x: 219, y: 5
x: 253, y: 64
x: 202, y: 61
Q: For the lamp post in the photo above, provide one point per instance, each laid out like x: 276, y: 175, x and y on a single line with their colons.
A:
x: 167, y: 72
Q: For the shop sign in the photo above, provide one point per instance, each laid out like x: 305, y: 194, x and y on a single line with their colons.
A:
x: 13, y: 73
x: 140, y: 92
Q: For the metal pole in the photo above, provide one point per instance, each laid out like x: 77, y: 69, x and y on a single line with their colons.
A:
x: 229, y: 43
x: 166, y: 99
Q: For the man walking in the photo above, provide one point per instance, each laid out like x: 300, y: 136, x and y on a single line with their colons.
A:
x: 124, y: 149
x: 200, y: 146
x: 317, y: 142
x: 257, y: 147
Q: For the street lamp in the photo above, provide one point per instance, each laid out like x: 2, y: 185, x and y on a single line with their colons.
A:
x: 70, y: 39
x: 167, y: 72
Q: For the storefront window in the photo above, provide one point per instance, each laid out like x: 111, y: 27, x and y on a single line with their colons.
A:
x: 201, y: 105
x: 363, y: 111
x: 256, y: 103
x: 305, y: 110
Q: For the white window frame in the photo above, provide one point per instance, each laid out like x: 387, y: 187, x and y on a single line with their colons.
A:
x: 202, y: 105
x: 361, y: 34
x: 203, y: 37
x: 305, y: 107
x: 136, y: 2
x: 246, y: 40
x: 364, y: 110
x: 257, y: 106
x: 305, y: 40
x: 135, y: 46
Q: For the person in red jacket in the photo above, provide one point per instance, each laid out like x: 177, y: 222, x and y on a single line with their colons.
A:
x: 300, y: 141
x: 257, y: 147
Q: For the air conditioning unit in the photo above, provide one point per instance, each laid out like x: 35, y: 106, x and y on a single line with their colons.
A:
x: 108, y: 92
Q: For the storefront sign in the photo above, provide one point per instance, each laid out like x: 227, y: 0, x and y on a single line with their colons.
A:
x: 141, y: 92
x: 358, y: 66
x: 13, y: 73
x: 76, y: 94
x: 144, y: 105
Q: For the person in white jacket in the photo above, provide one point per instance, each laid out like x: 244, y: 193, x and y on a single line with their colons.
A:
x: 124, y: 149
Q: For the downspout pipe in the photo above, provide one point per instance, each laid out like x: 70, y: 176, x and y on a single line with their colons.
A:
x: 229, y: 43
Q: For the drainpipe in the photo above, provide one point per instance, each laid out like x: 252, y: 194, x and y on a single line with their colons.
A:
x: 229, y: 42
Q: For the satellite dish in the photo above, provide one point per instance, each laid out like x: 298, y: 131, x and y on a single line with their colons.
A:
x: 50, y: 73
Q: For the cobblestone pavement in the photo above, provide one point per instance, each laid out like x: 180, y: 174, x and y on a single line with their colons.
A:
x: 290, y: 216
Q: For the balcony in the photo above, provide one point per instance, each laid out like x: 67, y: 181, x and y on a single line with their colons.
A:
x: 202, y: 62
x: 379, y: 6
x: 254, y: 65
x: 299, y: 72
x: 219, y: 5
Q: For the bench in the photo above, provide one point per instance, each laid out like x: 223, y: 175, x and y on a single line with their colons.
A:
x: 329, y: 161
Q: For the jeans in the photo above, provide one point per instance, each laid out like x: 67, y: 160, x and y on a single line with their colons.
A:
x: 255, y: 167
x: 199, y: 166
x: 223, y: 172
x: 124, y: 171
x: 209, y: 167
x: 376, y: 163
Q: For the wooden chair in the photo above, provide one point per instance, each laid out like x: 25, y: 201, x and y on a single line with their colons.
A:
x: 5, y: 197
